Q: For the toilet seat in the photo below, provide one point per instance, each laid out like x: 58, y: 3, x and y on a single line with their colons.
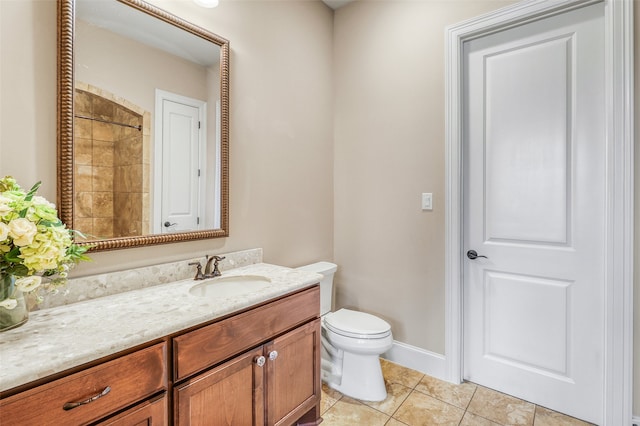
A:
x: 359, y: 325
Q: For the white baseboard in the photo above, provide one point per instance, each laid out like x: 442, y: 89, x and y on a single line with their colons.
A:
x: 418, y: 359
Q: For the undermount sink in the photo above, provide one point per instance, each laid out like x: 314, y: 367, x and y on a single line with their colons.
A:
x: 230, y: 286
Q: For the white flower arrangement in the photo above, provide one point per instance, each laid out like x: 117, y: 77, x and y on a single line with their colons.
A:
x: 34, y: 243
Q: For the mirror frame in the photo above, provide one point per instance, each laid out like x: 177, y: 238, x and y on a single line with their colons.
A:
x: 66, y: 80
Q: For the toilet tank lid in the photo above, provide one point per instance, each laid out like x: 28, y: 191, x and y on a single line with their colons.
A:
x: 320, y: 267
x: 356, y: 322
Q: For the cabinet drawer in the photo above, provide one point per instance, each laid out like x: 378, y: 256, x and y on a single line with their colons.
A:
x: 153, y: 412
x: 214, y: 343
x: 130, y: 378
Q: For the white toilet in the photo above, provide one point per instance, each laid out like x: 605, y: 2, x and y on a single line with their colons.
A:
x: 352, y: 342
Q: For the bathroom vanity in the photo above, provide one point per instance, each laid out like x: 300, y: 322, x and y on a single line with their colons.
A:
x: 254, y: 361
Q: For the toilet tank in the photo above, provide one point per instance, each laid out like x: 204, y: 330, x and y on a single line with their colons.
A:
x: 327, y: 269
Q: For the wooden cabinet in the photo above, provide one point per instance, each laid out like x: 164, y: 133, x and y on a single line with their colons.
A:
x: 91, y: 394
x: 259, y: 367
x: 292, y: 381
x: 276, y: 383
x: 231, y: 394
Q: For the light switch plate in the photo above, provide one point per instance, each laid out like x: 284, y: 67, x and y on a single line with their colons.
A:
x: 427, y: 201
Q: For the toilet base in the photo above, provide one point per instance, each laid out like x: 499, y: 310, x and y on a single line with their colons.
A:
x: 361, y: 378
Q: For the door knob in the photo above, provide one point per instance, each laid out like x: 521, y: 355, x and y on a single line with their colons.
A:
x: 168, y: 224
x: 260, y: 361
x: 472, y: 254
x: 273, y: 355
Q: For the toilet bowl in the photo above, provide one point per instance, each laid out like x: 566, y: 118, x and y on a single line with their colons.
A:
x: 352, y: 343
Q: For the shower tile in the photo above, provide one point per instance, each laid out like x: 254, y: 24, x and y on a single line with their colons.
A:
x: 397, y: 374
x: 146, y: 206
x: 129, y: 149
x: 119, y: 180
x: 420, y: 409
x: 82, y: 151
x: 348, y: 412
x: 83, y: 178
x: 102, y: 179
x: 546, y: 417
x: 146, y: 149
x: 103, y: 108
x: 501, y: 408
x: 103, y: 228
x: 84, y: 225
x: 396, y: 394
x: 146, y: 123
x: 102, y: 131
x: 102, y: 204
x: 146, y: 178
x: 82, y: 103
x: 136, y: 206
x: 83, y: 204
x: 458, y: 395
x: 82, y: 128
x: 102, y: 153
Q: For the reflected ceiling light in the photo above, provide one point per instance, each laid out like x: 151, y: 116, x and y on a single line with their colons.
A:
x: 206, y: 3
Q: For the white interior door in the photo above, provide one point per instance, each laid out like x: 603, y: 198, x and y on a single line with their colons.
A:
x: 534, y: 196
x: 180, y: 204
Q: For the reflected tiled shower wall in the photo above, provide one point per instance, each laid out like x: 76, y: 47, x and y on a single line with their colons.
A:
x: 111, y: 168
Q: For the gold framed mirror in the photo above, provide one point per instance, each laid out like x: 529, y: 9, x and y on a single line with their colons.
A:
x: 150, y: 165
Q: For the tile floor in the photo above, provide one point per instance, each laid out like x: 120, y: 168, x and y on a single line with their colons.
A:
x: 415, y: 399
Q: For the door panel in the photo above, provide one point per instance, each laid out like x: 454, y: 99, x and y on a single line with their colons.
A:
x: 534, y: 205
x: 526, y: 162
x: 510, y: 336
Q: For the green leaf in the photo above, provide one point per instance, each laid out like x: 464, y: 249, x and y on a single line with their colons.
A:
x: 33, y: 191
x: 12, y: 256
x: 18, y: 270
x: 49, y: 223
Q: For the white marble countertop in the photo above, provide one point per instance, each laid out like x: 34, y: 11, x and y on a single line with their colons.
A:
x: 56, y: 339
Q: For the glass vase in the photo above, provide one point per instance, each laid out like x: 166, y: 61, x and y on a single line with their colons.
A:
x: 13, y: 306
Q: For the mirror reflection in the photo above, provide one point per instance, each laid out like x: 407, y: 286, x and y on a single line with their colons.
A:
x: 149, y: 125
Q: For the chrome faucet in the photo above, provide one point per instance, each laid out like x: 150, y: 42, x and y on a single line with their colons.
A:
x: 208, y: 273
x: 199, y: 274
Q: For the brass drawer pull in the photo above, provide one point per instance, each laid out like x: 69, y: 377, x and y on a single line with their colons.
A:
x: 71, y: 405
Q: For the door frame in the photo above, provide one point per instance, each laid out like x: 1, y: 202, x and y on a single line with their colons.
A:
x: 618, y: 345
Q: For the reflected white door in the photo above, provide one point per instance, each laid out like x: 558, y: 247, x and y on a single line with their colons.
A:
x: 180, y: 204
x: 534, y: 206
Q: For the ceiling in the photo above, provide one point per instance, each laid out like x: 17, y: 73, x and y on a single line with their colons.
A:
x: 334, y: 4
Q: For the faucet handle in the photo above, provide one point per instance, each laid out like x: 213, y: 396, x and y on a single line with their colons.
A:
x: 216, y: 272
x: 199, y: 274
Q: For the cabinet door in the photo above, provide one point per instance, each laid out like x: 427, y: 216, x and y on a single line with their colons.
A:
x: 229, y: 395
x: 148, y: 413
x: 293, y: 375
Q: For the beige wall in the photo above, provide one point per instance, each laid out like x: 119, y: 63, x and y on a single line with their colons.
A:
x: 389, y: 148
x: 389, y: 143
